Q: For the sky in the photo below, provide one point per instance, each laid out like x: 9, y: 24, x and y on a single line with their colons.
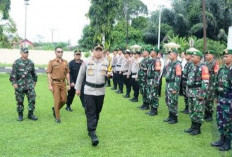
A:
x: 65, y: 18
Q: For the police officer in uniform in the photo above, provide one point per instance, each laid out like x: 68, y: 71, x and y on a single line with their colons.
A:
x: 74, y: 67
x: 126, y: 72
x: 224, y: 103
x: 58, y: 81
x: 114, y: 60
x: 23, y: 79
x: 95, y: 69
x: 119, y: 62
x: 134, y: 76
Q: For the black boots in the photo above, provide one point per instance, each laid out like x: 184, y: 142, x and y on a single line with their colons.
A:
x: 191, y: 128
x: 152, y: 112
x: 58, y: 121
x: 208, y: 116
x: 31, y: 116
x: 94, y: 138
x: 226, y: 145
x: 219, y: 143
x: 196, y: 129
x: 168, y: 119
x: 145, y: 106
x: 173, y: 120
x: 186, y: 110
x: 127, y: 96
x: 68, y: 108
x: 134, y: 100
x: 20, y: 118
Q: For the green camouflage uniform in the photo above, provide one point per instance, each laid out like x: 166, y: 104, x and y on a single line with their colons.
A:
x: 153, y: 76
x: 224, y: 97
x: 209, y: 102
x: 197, y: 87
x: 142, y: 78
x: 23, y: 74
x: 187, y: 69
x: 172, y: 84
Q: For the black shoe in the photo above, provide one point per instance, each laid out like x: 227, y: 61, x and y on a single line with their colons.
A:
x: 20, y: 118
x: 219, y: 143
x: 153, y: 112
x: 68, y: 108
x: 134, y: 100
x: 173, y: 120
x: 185, y: 111
x: 31, y: 116
x: 127, y: 96
x: 226, y: 146
x: 169, y: 118
x: 119, y: 92
x: 58, y: 121
x: 94, y: 138
x: 196, y: 130
x: 191, y: 128
x: 145, y: 107
x: 53, y: 112
x: 209, y: 117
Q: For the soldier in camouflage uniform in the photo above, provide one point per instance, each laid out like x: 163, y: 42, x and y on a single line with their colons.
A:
x: 142, y: 78
x: 186, y: 71
x: 23, y: 79
x: 224, y: 103
x: 153, y: 76
x: 198, y: 81
x: 213, y: 67
x: 173, y: 78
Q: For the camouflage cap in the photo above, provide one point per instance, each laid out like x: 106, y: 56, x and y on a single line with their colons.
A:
x: 24, y: 50
x: 210, y: 52
x: 227, y: 51
x: 197, y: 53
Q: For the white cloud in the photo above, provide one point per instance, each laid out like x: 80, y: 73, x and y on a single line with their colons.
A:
x: 66, y: 17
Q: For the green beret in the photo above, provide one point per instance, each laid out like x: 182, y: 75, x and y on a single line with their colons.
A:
x: 188, y: 53
x: 227, y: 51
x: 174, y: 51
x: 147, y: 49
x: 25, y: 50
x: 197, y: 53
x: 210, y: 52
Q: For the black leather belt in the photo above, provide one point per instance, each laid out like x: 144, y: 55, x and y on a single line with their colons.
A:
x: 134, y: 73
x: 118, y: 65
x: 57, y: 80
x: 95, y: 85
x: 194, y: 86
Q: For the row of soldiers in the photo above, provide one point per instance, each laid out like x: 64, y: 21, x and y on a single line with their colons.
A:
x: 202, y: 83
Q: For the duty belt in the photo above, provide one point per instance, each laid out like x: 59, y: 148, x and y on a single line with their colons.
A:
x: 95, y: 85
x: 194, y: 86
x: 134, y: 73
x: 57, y: 80
x: 118, y: 65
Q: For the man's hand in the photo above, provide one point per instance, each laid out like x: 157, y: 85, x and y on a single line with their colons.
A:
x: 15, y: 86
x: 68, y: 87
x: 174, y: 92
x: 200, y: 98
x: 72, y: 84
x: 78, y: 93
x: 50, y: 88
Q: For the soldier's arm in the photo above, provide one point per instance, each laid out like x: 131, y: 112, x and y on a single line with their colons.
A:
x: 205, y: 81
x: 33, y: 73
x: 157, y: 72
x: 80, y: 77
x: 178, y: 72
x: 13, y: 75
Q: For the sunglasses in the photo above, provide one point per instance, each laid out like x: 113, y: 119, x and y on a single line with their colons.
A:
x: 77, y: 54
x: 59, y: 51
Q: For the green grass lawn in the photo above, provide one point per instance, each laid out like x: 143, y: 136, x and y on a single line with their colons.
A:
x: 123, y: 130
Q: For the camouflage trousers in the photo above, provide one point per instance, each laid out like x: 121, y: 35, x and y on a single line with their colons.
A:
x: 20, y: 94
x: 196, y: 109
x: 143, y: 91
x: 184, y: 89
x: 153, y: 97
x: 224, y: 116
x: 171, y: 100
x: 209, y: 103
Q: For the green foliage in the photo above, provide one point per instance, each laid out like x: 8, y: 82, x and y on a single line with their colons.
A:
x: 87, y: 54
